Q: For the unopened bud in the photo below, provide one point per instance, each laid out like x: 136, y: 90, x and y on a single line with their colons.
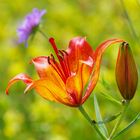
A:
x: 126, y: 72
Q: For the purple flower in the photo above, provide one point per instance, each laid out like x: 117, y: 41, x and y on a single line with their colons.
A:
x: 29, y: 25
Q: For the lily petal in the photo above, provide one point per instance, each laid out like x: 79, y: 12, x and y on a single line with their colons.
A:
x: 78, y: 49
x: 23, y: 77
x: 41, y: 64
x: 76, y: 83
x: 52, y: 91
x: 87, y: 69
x: 46, y: 70
x: 96, y: 70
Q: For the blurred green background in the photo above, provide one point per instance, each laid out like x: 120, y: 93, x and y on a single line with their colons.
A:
x: 31, y: 117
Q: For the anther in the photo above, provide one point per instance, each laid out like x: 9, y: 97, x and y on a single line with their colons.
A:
x: 61, y: 53
x: 64, y: 52
x: 125, y: 44
x: 61, y: 57
x: 53, y: 58
x: 49, y: 60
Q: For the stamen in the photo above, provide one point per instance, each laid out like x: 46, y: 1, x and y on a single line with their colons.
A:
x: 49, y: 60
x: 55, y: 65
x: 60, y: 56
x: 53, y: 58
x: 51, y: 40
x: 63, y: 63
x: 65, y: 52
x: 61, y: 52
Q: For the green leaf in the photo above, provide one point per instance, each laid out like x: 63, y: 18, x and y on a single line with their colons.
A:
x: 109, y: 97
x: 128, y: 126
x: 105, y: 84
x: 102, y: 126
x: 109, y: 118
x: 137, y: 138
x: 105, y: 88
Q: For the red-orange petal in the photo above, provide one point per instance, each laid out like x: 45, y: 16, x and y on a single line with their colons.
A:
x: 52, y: 91
x: 76, y: 83
x: 46, y: 67
x: 87, y: 69
x: 41, y: 64
x: 23, y: 77
x: 95, y: 73
x: 78, y: 49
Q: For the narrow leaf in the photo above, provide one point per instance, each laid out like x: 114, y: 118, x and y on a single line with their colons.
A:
x: 128, y: 126
x: 109, y: 97
x: 109, y: 118
x: 105, y: 88
x: 102, y: 126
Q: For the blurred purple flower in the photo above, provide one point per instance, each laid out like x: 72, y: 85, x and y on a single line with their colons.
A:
x: 29, y: 25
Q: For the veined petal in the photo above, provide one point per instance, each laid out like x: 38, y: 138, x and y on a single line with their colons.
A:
x: 78, y: 49
x: 23, y: 77
x: 46, y: 70
x: 96, y: 70
x: 52, y: 91
x: 76, y: 83
x: 41, y: 64
x: 87, y: 69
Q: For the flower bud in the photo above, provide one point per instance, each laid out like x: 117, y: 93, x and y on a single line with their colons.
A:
x: 126, y: 72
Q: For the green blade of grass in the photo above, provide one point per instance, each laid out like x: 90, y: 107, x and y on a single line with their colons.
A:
x: 128, y: 126
x: 109, y: 118
x: 102, y: 126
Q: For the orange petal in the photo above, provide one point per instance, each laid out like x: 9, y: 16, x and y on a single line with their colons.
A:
x: 95, y: 73
x: 87, y: 69
x: 23, y: 77
x: 76, y: 83
x: 41, y: 64
x: 78, y: 49
x: 74, y: 86
x: 47, y: 68
x: 52, y: 91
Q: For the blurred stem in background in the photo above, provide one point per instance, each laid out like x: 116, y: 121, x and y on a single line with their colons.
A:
x: 130, y: 24
x: 44, y: 34
x: 126, y: 104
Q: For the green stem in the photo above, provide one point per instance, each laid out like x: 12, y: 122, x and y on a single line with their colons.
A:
x: 126, y: 104
x: 43, y: 34
x: 84, y: 113
x: 130, y: 24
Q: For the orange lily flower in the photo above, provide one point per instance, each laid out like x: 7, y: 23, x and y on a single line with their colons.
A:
x: 72, y: 78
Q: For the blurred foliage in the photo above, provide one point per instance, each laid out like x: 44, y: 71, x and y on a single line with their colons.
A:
x: 32, y: 118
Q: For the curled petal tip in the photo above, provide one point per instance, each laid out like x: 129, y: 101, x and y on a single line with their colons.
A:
x: 20, y: 77
x: 7, y: 92
x: 29, y: 87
